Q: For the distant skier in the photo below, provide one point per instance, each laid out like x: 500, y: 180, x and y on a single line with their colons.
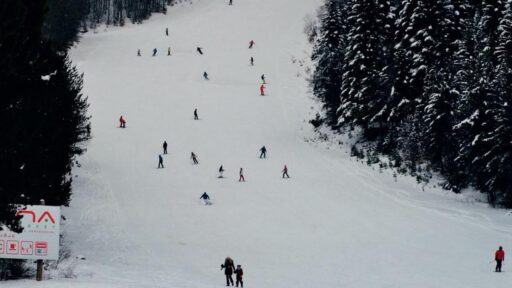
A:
x: 262, y: 90
x: 230, y: 2
x: 499, y: 256
x: 251, y: 44
x: 194, y: 158
x: 165, y: 147
x: 195, y: 115
x: 263, y: 153
x: 160, y: 161
x: 169, y: 51
x: 205, y: 75
x: 239, y: 274
x: 263, y: 78
x: 154, y: 51
x: 229, y: 268
x: 199, y: 50
x: 122, y: 123
x: 166, y: 31
x: 206, y: 199
x: 285, y: 172
x: 221, y: 171
x: 252, y: 61
x: 241, y: 178
x: 138, y: 52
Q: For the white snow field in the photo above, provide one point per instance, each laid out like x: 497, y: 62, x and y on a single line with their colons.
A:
x: 334, y: 223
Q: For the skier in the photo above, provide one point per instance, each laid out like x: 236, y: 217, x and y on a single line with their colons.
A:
x: 165, y: 147
x: 285, y: 172
x: 154, y: 51
x: 263, y: 78
x: 199, y: 50
x: 138, y: 52
x: 262, y: 90
x: 195, y: 114
x: 252, y: 61
x: 241, y: 179
x: 160, y: 161
x: 206, y: 199
x: 239, y: 273
x: 122, y: 123
x: 263, y: 151
x: 251, y: 44
x: 228, y: 267
x: 194, y: 158
x: 166, y: 31
x: 205, y: 75
x: 169, y: 51
x: 230, y: 2
x: 499, y: 256
x: 221, y: 170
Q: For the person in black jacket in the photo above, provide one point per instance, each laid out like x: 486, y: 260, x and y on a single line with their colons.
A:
x: 229, y: 268
x: 165, y: 147
x: 239, y: 274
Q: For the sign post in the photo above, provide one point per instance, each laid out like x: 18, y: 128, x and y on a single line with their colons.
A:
x: 39, y: 239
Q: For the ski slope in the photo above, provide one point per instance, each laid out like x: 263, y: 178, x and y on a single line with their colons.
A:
x: 334, y: 223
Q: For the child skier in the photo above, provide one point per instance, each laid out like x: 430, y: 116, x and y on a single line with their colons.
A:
x: 239, y: 274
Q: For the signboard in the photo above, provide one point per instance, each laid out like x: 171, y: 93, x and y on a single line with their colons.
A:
x: 40, y: 236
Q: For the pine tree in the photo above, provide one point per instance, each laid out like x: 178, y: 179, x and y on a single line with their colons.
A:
x: 329, y: 57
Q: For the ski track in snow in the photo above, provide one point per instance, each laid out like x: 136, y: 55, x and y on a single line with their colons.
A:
x: 334, y: 223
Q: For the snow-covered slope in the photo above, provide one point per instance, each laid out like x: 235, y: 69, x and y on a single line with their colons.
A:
x: 334, y: 223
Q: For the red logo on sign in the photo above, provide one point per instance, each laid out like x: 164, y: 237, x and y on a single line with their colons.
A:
x: 34, y: 217
x: 41, y: 248
x: 12, y: 247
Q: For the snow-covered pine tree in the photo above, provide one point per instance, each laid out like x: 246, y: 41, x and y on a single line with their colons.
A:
x: 328, y: 54
x: 364, y: 83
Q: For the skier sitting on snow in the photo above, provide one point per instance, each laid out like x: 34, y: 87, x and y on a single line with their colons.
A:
x: 205, y: 198
x: 229, y: 267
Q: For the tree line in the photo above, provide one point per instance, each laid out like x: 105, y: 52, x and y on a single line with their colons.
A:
x: 427, y: 83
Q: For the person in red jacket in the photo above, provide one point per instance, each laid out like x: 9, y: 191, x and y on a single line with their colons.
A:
x: 262, y: 90
x: 499, y: 256
x: 122, y: 123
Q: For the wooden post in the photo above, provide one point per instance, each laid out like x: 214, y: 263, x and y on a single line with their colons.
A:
x: 39, y: 273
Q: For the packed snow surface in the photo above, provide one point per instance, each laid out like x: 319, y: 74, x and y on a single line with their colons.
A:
x: 334, y: 223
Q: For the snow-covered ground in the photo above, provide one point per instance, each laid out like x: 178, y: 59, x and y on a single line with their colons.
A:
x: 334, y: 223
